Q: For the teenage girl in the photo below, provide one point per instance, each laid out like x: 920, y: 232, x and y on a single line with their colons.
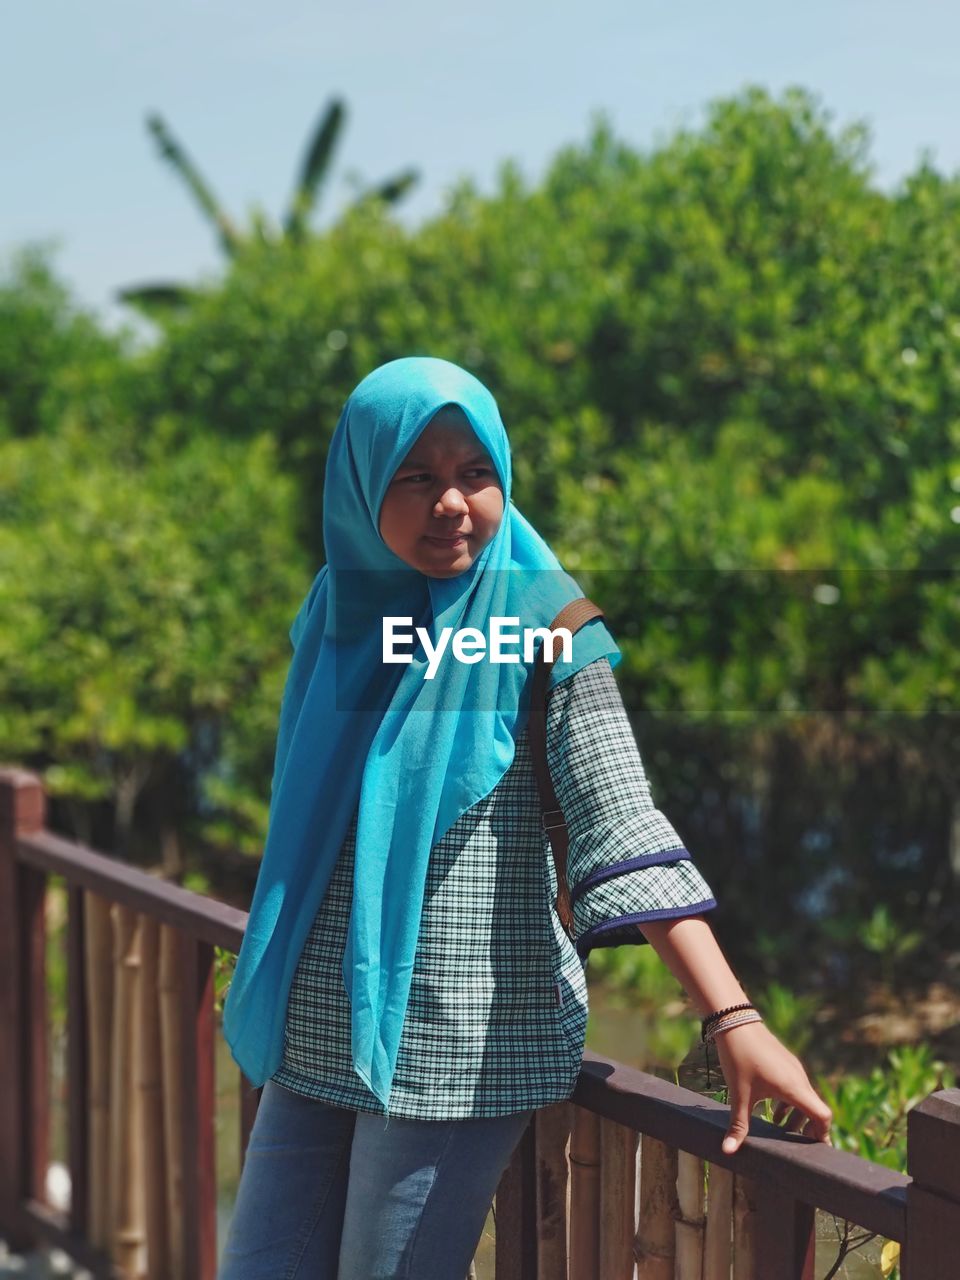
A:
x: 405, y: 992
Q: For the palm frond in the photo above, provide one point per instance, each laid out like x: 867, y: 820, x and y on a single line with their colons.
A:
x: 174, y: 154
x: 153, y: 300
x: 393, y: 189
x: 316, y: 164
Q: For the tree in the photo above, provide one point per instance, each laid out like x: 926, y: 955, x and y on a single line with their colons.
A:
x: 729, y: 372
x: 143, y: 631
x: 53, y: 353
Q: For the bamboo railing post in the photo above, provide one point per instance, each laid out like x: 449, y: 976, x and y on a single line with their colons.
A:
x: 23, y: 1065
x: 659, y: 1210
x: 746, y: 1207
x: 552, y: 1125
x: 691, y: 1224
x: 933, y: 1197
x: 127, y: 1236
x: 584, y: 1195
x: 718, y: 1245
x: 618, y: 1182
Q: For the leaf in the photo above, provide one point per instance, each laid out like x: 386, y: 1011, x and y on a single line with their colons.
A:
x: 393, y: 189
x: 314, y: 170
x: 176, y: 156
x: 151, y: 299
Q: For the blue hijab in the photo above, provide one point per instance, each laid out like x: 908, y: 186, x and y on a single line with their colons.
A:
x: 356, y: 734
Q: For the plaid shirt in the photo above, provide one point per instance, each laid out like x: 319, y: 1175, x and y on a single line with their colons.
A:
x: 497, y: 1012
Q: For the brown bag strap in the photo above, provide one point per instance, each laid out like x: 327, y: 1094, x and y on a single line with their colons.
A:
x: 572, y: 616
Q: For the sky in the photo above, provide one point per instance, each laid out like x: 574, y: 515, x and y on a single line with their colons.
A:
x: 452, y: 90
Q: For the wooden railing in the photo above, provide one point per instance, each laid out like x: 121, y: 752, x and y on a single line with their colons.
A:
x: 625, y: 1179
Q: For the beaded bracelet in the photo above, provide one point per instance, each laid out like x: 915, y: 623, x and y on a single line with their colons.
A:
x: 723, y: 1020
x: 721, y: 1013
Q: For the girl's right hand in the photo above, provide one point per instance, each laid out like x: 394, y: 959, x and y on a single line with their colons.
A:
x: 755, y: 1066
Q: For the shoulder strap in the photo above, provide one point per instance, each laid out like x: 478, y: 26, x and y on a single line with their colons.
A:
x: 572, y: 616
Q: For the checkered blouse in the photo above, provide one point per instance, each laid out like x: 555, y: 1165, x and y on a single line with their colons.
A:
x: 497, y: 1011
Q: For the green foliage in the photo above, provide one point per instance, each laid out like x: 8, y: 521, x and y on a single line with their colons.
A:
x: 637, y: 975
x: 870, y: 1113
x: 52, y: 353
x: 55, y: 952
x: 636, y: 971
x: 224, y: 964
x: 730, y: 372
x: 870, y: 1119
x: 146, y: 595
x: 788, y: 1015
x: 881, y: 935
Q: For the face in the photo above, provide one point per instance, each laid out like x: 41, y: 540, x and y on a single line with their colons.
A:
x: 445, y: 501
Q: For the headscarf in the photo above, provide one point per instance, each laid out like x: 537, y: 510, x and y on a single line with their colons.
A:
x: 356, y: 734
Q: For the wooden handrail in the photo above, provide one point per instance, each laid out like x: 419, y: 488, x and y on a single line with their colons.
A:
x: 581, y: 1153
x: 203, y: 918
x: 840, y: 1182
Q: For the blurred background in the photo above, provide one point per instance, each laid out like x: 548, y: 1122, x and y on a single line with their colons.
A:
x: 707, y: 260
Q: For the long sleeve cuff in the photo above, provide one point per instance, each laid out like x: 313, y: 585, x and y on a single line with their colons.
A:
x: 612, y: 900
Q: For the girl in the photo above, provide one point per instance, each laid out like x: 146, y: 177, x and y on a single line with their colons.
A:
x: 405, y: 992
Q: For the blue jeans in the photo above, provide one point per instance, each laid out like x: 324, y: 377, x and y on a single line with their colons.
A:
x: 327, y: 1193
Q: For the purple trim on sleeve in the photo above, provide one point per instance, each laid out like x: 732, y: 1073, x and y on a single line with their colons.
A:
x: 615, y: 932
x: 628, y: 864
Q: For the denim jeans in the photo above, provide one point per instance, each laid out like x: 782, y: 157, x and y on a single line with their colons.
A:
x: 327, y: 1193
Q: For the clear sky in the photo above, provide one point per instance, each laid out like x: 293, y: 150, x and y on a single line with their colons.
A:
x: 451, y: 89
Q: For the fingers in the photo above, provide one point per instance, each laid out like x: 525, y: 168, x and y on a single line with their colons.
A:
x: 814, y: 1129
x: 757, y: 1068
x: 779, y: 1111
x: 739, y: 1125
x: 812, y: 1118
x: 821, y: 1117
x: 797, y: 1117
